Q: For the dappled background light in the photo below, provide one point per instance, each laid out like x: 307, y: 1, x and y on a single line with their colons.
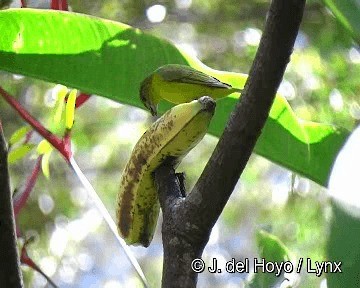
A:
x: 354, y: 55
x: 72, y: 243
x: 156, y: 13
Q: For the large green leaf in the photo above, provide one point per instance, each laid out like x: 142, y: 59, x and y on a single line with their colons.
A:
x: 343, y: 246
x: 348, y: 14
x: 110, y: 59
x: 343, y: 241
x: 270, y: 249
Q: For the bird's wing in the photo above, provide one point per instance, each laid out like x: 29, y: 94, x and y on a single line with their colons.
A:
x: 186, y: 74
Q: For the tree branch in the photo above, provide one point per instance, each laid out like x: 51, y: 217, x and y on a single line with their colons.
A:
x: 220, y: 175
x: 188, y: 221
x: 10, y: 274
x: 176, y: 237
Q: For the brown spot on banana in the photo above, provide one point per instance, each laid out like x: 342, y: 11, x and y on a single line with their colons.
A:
x: 172, y: 135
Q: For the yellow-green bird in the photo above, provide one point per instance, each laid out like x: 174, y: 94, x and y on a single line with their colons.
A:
x: 179, y: 84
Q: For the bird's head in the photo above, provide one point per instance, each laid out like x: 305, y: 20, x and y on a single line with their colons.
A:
x: 146, y: 96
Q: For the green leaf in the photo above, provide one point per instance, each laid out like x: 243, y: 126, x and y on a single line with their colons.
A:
x: 20, y: 152
x: 270, y: 247
x: 45, y: 164
x: 44, y: 147
x: 348, y: 14
x: 272, y: 250
x: 111, y: 59
x: 343, y: 245
x: 19, y: 134
x: 60, y: 92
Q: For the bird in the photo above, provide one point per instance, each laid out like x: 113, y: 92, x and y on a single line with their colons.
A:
x: 179, y: 84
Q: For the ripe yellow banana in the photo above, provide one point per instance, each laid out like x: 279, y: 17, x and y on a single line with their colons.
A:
x: 173, y: 135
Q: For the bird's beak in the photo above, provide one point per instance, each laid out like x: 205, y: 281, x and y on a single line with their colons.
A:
x: 153, y: 110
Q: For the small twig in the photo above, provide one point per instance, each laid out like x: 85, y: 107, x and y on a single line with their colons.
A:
x: 38, y: 127
x: 21, y: 197
x: 25, y: 259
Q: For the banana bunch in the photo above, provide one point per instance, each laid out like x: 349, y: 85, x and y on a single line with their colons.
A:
x: 171, y: 136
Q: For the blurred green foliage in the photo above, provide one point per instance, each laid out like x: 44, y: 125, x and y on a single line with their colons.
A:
x: 321, y: 84
x: 5, y: 3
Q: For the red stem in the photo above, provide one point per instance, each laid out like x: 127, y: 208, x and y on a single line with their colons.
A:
x: 55, y: 5
x: 81, y: 99
x: 25, y: 259
x: 67, y: 142
x: 53, y: 139
x: 23, y: 4
x: 59, y: 5
x: 28, y: 136
x: 64, y: 5
x: 21, y: 197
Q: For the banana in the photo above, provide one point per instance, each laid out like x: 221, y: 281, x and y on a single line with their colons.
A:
x: 171, y: 136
